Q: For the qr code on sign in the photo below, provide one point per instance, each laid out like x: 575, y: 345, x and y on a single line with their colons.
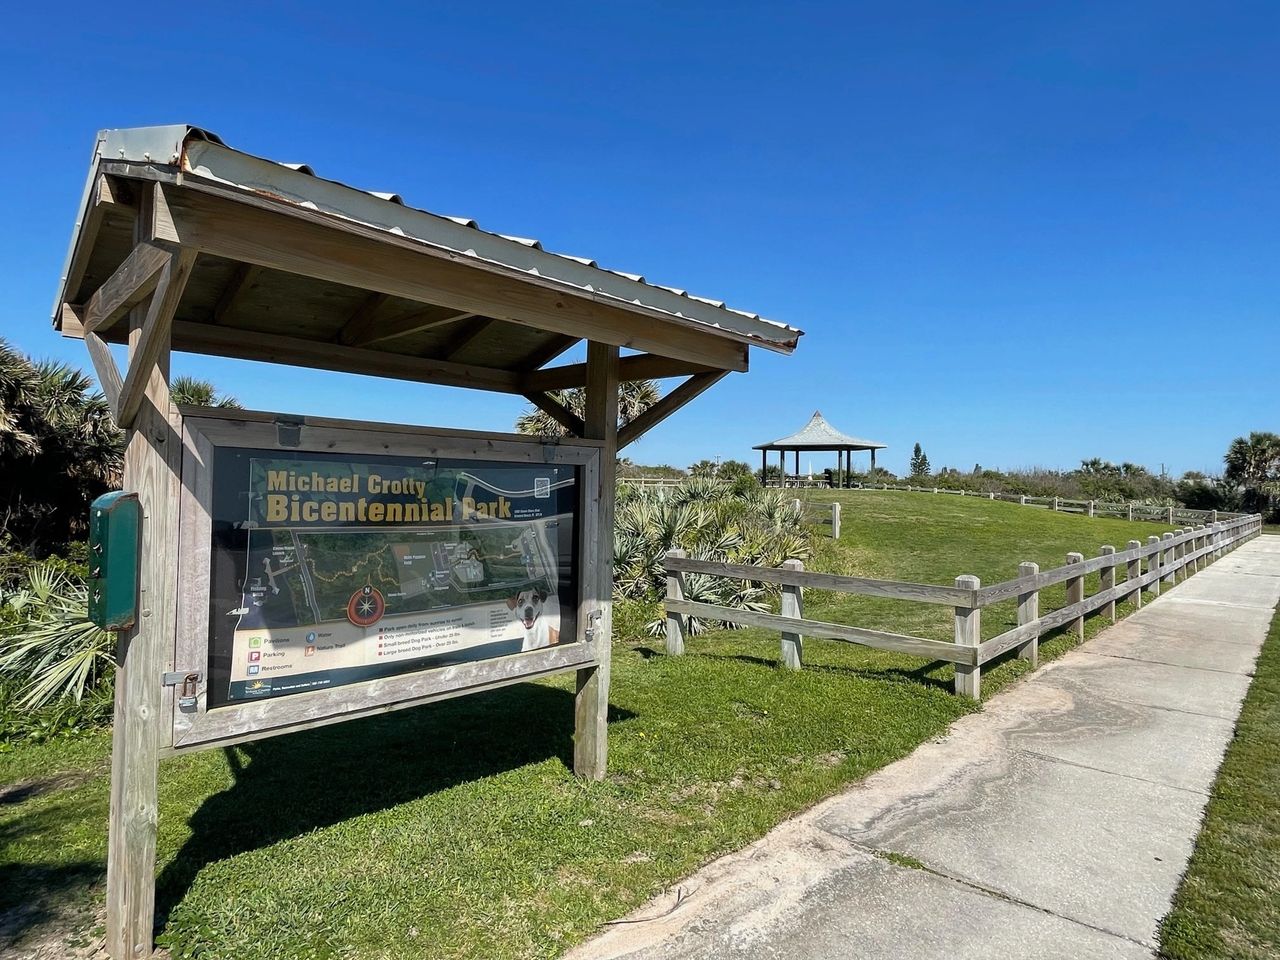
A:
x: 541, y: 487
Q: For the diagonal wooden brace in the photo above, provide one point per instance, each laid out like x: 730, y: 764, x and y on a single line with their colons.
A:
x: 557, y: 412
x: 155, y: 333
x: 133, y: 282
x: 668, y: 405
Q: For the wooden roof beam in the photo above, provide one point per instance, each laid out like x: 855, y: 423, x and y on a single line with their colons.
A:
x: 553, y: 348
x: 308, y: 243
x: 464, y: 337
x: 322, y: 355
x: 244, y: 275
x: 368, y: 333
x: 641, y: 366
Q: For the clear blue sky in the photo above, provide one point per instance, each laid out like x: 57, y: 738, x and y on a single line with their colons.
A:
x: 1017, y: 233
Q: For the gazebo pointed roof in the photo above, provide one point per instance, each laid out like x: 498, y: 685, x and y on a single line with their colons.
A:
x: 820, y: 435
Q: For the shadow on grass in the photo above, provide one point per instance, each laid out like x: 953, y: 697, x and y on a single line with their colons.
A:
x: 921, y: 675
x: 290, y: 785
x: 36, y: 894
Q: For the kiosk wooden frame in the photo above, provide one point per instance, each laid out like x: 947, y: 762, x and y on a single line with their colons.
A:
x: 183, y: 243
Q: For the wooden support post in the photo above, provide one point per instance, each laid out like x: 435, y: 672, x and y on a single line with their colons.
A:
x: 1055, y: 504
x: 1133, y: 573
x: 1131, y: 513
x: 1166, y: 560
x: 1169, y: 518
x: 152, y: 469
x: 1199, y: 545
x: 1022, y: 500
x: 675, y: 621
x: 968, y: 633
x: 1153, y: 564
x: 835, y: 521
x: 591, y: 705
x: 1180, y: 554
x: 1029, y: 612
x: 1107, y: 575
x: 792, y: 606
x: 1091, y: 510
x: 1075, y: 594
x: 764, y: 467
x: 1213, y: 516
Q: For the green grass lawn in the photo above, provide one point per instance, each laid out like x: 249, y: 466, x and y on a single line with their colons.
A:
x: 1228, y: 907
x: 457, y: 829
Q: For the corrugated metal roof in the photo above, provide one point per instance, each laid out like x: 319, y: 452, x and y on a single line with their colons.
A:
x: 820, y: 435
x: 200, y: 153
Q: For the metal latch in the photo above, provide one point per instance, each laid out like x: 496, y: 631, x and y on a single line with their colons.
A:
x: 188, y: 683
x: 593, y: 618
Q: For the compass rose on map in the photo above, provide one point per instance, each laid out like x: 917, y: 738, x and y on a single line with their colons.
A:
x: 366, y: 606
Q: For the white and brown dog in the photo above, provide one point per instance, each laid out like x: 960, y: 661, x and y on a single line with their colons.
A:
x: 539, y: 613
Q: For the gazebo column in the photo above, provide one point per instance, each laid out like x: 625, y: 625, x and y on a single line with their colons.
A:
x: 764, y: 467
x: 797, y: 463
x: 873, y: 463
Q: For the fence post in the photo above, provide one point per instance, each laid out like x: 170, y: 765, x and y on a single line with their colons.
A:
x: 1108, y: 581
x: 1029, y: 612
x: 797, y: 505
x: 1213, y: 516
x: 675, y: 621
x: 1075, y: 593
x: 969, y: 634
x: 792, y: 606
x: 1091, y: 509
x: 1131, y: 512
x: 1169, y: 516
x: 1182, y: 553
x: 1022, y: 500
x: 1055, y: 504
x: 935, y: 489
x: 1133, y: 573
x: 1166, y: 560
x: 1153, y: 564
x: 835, y: 521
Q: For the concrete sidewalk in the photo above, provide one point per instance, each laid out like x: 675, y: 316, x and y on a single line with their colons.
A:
x: 1055, y: 823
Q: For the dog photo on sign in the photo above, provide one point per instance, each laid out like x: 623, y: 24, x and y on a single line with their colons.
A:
x: 538, y: 612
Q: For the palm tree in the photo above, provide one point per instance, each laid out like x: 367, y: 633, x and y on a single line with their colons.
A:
x: 1253, y: 466
x: 634, y: 398
x: 200, y: 393
x: 58, y: 450
x: 1254, y: 461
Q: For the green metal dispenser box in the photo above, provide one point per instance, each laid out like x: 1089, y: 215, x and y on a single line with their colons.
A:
x: 115, y: 526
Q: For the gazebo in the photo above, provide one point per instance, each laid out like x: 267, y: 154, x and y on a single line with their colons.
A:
x: 820, y: 436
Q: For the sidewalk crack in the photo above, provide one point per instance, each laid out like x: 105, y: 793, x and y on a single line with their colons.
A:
x: 895, y: 858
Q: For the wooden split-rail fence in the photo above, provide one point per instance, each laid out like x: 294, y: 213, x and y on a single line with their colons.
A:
x: 1128, y: 510
x: 1161, y: 560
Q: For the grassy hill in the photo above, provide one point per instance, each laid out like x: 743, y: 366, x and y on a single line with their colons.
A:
x: 458, y: 830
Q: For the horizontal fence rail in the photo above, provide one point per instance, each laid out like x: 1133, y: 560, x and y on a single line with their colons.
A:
x: 1146, y: 566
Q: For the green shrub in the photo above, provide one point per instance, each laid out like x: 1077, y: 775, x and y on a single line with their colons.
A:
x: 48, y: 648
x: 727, y: 523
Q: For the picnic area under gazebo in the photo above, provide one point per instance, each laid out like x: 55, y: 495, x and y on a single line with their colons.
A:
x: 817, y: 436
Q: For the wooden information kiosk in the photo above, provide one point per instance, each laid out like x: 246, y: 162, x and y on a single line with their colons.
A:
x: 481, y: 559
